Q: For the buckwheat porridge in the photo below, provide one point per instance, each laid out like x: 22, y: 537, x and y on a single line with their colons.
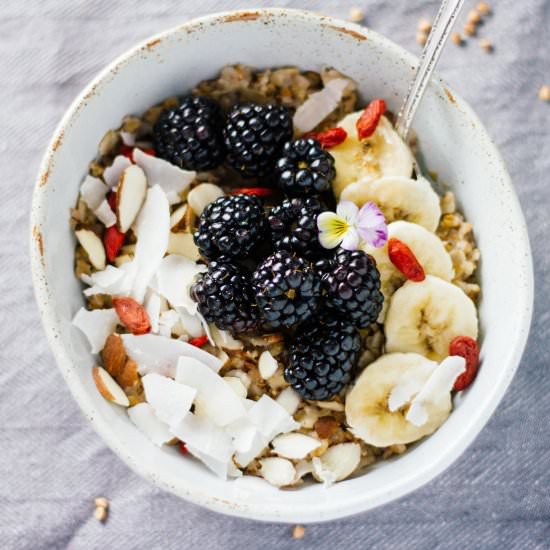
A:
x: 269, y: 287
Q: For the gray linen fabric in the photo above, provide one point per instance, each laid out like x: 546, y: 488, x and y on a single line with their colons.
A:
x: 52, y: 464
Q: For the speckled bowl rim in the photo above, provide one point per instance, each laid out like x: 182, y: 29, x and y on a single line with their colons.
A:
x: 51, y: 324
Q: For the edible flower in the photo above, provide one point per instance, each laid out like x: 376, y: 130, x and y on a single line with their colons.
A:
x: 349, y: 225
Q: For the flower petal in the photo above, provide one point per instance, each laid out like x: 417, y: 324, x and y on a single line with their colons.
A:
x: 327, y: 221
x: 347, y: 210
x: 329, y: 239
x: 351, y: 239
x: 371, y: 225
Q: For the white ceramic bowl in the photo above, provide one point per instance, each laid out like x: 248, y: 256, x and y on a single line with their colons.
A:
x: 455, y: 145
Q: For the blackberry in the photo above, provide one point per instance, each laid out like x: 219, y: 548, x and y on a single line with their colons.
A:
x: 352, y: 287
x: 287, y: 289
x: 254, y: 135
x: 224, y: 296
x: 293, y: 226
x: 322, y: 358
x: 231, y: 225
x: 189, y: 136
x: 304, y: 168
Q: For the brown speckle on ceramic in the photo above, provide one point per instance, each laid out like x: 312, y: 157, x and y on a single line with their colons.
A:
x: 57, y: 142
x: 150, y: 45
x: 350, y: 32
x: 37, y: 234
x: 242, y: 16
x: 43, y: 178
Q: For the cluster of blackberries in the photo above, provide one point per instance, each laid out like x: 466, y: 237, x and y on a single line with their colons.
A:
x: 318, y: 297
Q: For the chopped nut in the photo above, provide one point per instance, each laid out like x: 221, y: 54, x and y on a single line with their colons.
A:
x: 424, y: 25
x: 456, y: 38
x: 298, y: 532
x: 470, y: 29
x: 356, y: 15
x: 484, y: 44
x: 101, y: 509
x: 474, y: 17
x: 483, y: 8
x: 544, y: 93
x: 326, y: 426
x: 109, y: 142
x: 421, y: 38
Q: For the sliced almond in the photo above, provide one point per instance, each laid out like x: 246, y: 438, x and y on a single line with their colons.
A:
x: 183, y: 245
x: 294, y: 445
x: 177, y: 217
x: 223, y: 339
x: 108, y: 388
x: 236, y: 385
x: 201, y: 196
x: 277, y: 471
x: 93, y: 246
x: 121, y: 260
x: 267, y: 365
x: 130, y: 195
x: 339, y: 462
x: 330, y: 405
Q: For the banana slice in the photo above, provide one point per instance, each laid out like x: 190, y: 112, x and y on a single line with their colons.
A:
x: 424, y: 318
x: 426, y: 246
x: 399, y: 198
x: 377, y: 406
x: 382, y: 154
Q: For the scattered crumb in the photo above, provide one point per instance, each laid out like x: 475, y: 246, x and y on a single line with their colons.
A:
x: 474, y: 17
x: 356, y: 15
x: 421, y: 38
x: 101, y: 509
x: 298, y: 532
x: 424, y: 25
x: 484, y: 44
x: 470, y: 29
x: 544, y: 93
x: 456, y: 38
x: 483, y: 8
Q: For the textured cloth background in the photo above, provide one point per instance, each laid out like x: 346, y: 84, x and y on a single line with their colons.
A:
x: 52, y: 464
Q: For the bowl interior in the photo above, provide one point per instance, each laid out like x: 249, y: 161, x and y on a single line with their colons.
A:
x: 455, y: 146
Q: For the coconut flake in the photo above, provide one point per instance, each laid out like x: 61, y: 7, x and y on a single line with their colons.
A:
x: 175, y: 276
x: 233, y: 471
x: 319, y: 105
x: 243, y: 434
x: 167, y: 322
x: 191, y: 324
x: 259, y: 443
x: 170, y: 400
x: 93, y: 191
x: 303, y: 468
x: 277, y: 471
x: 241, y: 375
x: 294, y: 445
x: 152, y: 228
x: 158, y: 354
x: 146, y: 421
x: 105, y: 214
x: 223, y: 339
x: 236, y: 385
x: 270, y: 418
x: 328, y: 477
x: 215, y: 399
x: 112, y: 280
x: 112, y: 173
x: 128, y: 138
x: 403, y: 392
x: 437, y: 387
x: 172, y: 179
x: 96, y: 325
x: 152, y: 307
x: 289, y: 399
x: 206, y: 441
x: 267, y: 365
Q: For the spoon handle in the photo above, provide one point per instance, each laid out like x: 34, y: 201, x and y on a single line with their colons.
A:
x: 442, y: 25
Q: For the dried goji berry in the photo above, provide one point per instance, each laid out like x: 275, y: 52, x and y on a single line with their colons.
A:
x: 256, y: 191
x: 128, y: 151
x: 368, y: 121
x: 111, y: 199
x: 183, y: 448
x: 199, y: 341
x: 132, y: 315
x: 113, y: 239
x: 403, y: 258
x: 329, y: 138
x: 466, y: 347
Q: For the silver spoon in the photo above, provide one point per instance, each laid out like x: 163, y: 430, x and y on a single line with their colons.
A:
x: 441, y: 28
